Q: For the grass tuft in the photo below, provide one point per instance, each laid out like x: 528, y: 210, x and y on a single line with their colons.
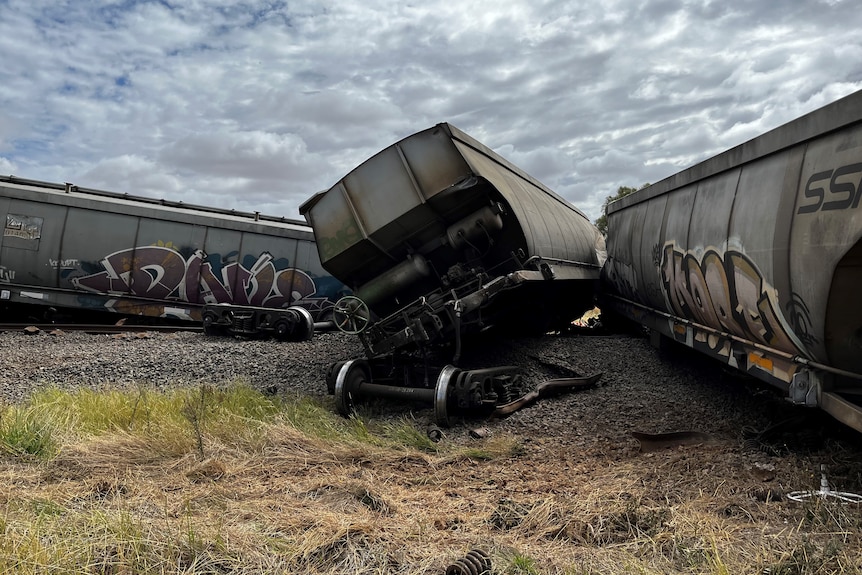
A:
x: 26, y: 433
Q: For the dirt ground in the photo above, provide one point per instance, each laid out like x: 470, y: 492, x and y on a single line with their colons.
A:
x: 715, y: 496
x: 589, y: 491
x: 566, y: 485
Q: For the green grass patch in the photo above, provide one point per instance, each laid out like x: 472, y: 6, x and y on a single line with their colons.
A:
x: 89, y: 412
x: 196, y: 418
x: 26, y: 432
x: 109, y: 542
x: 522, y: 565
x: 315, y: 419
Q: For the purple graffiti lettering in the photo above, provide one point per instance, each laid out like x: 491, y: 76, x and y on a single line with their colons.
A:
x: 156, y: 272
x: 190, y: 287
x: 242, y: 284
x: 147, y: 271
x: 291, y: 285
x: 115, y: 278
x: 162, y: 273
x: 212, y: 289
x: 262, y: 278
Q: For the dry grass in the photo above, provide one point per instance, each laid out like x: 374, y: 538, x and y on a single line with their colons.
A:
x: 138, y: 483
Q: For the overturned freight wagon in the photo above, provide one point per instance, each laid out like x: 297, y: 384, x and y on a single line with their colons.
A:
x: 755, y: 258
x: 68, y: 249
x: 441, y: 239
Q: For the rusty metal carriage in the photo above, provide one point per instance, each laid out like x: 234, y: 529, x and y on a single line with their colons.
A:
x: 441, y: 239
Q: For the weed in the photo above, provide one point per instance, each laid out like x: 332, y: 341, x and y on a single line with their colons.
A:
x: 195, y: 411
x: 522, y: 565
x: 310, y: 416
x: 24, y: 433
x: 405, y: 433
x: 631, y: 522
x: 827, y: 515
x: 46, y: 507
x: 508, y: 514
x: 290, y: 487
x: 477, y: 453
x: 716, y: 563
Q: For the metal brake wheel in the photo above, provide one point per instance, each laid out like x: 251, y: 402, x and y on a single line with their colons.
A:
x: 351, y: 315
x: 825, y: 493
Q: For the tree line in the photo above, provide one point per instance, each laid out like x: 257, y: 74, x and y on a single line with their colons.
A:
x: 622, y: 191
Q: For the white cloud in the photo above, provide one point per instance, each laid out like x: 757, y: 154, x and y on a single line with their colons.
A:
x: 133, y: 175
x: 259, y: 104
x: 6, y: 167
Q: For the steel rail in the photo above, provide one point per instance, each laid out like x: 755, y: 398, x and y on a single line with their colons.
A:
x: 98, y: 328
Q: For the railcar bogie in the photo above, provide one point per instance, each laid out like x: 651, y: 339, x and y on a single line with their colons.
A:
x: 292, y: 324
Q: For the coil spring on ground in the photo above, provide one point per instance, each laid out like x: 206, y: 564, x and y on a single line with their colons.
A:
x: 782, y: 438
x: 476, y: 562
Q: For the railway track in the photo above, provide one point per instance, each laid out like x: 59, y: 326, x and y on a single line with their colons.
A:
x: 97, y: 328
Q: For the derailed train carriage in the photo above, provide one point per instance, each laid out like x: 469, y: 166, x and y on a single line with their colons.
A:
x: 754, y: 257
x: 76, y: 252
x: 441, y: 239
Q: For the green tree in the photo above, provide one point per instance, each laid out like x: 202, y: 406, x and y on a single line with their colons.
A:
x: 622, y: 191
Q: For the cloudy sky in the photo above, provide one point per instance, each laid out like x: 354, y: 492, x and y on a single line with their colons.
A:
x: 256, y: 105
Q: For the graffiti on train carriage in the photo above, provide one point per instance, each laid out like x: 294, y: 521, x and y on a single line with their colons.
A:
x: 162, y: 272
x: 23, y: 227
x: 6, y: 275
x: 726, y: 288
x: 68, y: 264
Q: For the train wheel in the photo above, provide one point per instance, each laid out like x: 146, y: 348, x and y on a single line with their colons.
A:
x: 304, y: 330
x: 350, y: 377
x: 351, y: 315
x: 282, y: 329
x: 441, y: 394
x: 209, y: 325
x: 331, y: 375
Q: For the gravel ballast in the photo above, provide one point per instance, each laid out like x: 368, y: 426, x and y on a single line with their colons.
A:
x: 641, y: 388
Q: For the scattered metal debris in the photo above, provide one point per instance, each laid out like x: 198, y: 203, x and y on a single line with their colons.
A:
x: 825, y: 492
x: 476, y: 562
x: 781, y: 438
x: 546, y: 389
x: 434, y: 433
